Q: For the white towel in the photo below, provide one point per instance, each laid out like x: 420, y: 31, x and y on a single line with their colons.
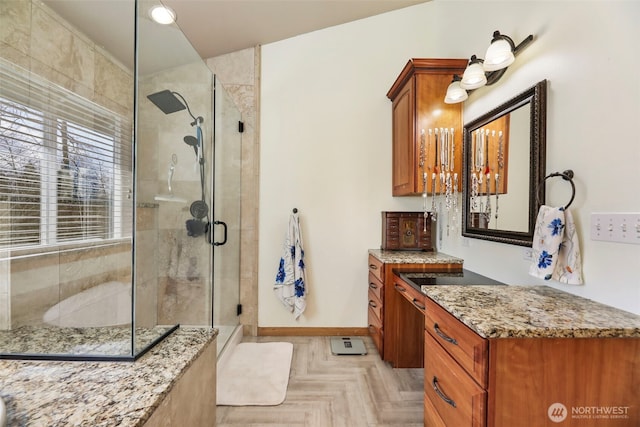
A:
x: 290, y: 282
x: 556, y: 249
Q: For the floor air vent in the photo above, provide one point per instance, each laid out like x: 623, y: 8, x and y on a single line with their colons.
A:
x: 347, y: 346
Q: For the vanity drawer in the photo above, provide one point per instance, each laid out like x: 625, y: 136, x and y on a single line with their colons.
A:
x: 374, y: 304
x: 376, y: 286
x: 414, y: 296
x: 375, y: 329
x: 458, y: 400
x: 376, y: 267
x: 469, y: 349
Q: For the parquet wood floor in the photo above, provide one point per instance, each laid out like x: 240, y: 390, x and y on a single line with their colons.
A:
x: 336, y: 391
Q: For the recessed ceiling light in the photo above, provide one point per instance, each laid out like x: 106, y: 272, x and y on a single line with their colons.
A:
x: 162, y: 14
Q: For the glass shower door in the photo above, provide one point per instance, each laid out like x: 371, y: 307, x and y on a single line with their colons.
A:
x: 226, y: 215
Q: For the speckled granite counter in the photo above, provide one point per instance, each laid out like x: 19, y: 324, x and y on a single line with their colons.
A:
x: 414, y: 257
x: 532, y: 311
x: 98, y: 393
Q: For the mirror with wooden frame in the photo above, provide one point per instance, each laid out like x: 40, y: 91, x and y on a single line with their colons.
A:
x: 504, y: 162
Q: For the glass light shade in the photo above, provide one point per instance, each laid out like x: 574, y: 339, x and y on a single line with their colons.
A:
x: 499, y: 55
x: 473, y: 76
x: 162, y: 14
x: 455, y: 93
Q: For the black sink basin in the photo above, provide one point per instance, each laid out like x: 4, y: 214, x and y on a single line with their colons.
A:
x: 465, y: 277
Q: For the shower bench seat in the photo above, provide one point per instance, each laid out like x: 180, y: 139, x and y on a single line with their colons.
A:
x: 175, y: 380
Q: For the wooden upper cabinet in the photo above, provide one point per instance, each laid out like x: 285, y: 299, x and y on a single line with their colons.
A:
x: 417, y: 98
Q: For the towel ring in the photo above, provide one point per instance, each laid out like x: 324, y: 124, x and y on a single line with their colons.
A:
x: 567, y: 176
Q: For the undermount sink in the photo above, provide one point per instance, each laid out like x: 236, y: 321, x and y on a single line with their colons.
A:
x: 3, y: 413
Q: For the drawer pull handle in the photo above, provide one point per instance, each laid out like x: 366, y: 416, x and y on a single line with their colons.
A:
x: 443, y: 335
x: 372, y: 304
x: 373, y: 285
x: 439, y: 392
x: 373, y: 266
x: 417, y: 304
x: 400, y: 288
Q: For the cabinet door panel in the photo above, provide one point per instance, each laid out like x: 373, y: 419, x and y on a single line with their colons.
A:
x: 403, y: 148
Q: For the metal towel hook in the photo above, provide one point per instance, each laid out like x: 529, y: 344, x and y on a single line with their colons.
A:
x: 567, y: 176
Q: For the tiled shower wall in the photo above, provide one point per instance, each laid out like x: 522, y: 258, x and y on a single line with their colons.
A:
x: 240, y: 74
x: 36, y: 39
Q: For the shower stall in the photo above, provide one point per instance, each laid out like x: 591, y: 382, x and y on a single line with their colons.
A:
x: 119, y: 186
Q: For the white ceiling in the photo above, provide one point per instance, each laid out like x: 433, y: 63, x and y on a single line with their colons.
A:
x: 216, y: 27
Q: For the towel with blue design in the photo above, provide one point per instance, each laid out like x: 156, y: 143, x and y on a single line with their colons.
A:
x: 556, y: 248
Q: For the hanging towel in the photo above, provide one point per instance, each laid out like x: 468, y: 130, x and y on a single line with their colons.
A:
x: 290, y: 286
x: 556, y: 249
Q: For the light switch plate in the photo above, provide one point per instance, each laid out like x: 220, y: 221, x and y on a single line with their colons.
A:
x: 616, y: 227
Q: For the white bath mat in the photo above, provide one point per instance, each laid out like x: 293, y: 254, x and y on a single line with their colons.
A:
x: 256, y: 374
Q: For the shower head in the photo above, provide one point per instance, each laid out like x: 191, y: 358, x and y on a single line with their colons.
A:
x: 166, y: 101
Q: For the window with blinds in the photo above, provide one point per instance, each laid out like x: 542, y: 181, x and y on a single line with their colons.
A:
x: 65, y: 165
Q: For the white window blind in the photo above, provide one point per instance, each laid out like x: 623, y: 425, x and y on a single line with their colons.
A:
x: 65, y: 165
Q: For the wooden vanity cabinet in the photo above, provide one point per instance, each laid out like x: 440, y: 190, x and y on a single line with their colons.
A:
x: 395, y: 325
x: 417, y: 98
x: 512, y: 382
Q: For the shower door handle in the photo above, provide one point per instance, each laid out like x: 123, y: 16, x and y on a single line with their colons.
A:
x: 224, y: 225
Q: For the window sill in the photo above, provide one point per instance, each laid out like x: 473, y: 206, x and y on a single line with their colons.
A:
x: 7, y: 254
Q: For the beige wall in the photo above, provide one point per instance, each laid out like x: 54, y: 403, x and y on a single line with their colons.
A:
x: 324, y: 114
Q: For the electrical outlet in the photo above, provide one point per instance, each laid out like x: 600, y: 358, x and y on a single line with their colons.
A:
x: 616, y: 227
x: 527, y: 254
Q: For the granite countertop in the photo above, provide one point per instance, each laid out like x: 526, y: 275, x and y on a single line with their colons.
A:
x: 414, y: 257
x: 51, y: 393
x: 532, y: 311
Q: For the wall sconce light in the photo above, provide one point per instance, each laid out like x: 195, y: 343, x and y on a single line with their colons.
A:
x: 455, y: 93
x: 480, y: 72
x: 474, y: 76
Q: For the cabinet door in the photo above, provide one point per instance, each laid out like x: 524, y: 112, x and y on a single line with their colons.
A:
x: 403, y: 147
x: 417, y: 98
x: 457, y: 398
